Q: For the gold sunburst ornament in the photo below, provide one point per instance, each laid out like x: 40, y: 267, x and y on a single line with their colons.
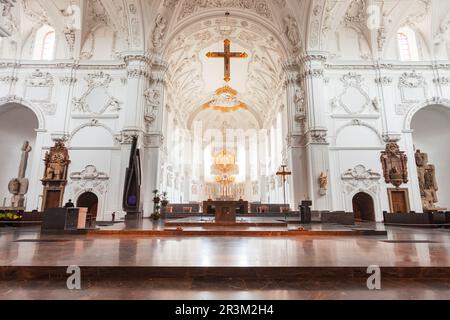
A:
x: 225, y: 100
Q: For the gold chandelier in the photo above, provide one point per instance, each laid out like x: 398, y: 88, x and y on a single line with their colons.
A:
x: 225, y: 100
x: 224, y: 161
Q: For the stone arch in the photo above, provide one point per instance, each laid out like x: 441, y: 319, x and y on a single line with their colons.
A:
x: 420, y: 106
x: 178, y: 28
x: 356, y: 123
x: 363, y: 206
x: 88, y: 199
x: 37, y: 111
x: 92, y: 123
x: 430, y: 135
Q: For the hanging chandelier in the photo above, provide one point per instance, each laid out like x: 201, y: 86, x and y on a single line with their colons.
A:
x: 224, y: 162
x: 225, y: 100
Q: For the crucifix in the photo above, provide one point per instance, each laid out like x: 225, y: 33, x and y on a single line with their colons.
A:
x: 227, y: 55
x: 284, y: 173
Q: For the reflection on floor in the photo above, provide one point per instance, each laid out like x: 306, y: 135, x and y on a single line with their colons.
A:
x: 402, y: 248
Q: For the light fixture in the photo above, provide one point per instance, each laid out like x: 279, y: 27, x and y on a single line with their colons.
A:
x: 225, y: 100
x: 225, y: 29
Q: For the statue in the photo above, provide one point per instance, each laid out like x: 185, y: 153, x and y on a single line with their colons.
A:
x: 394, y: 164
x: 18, y: 187
x: 427, y: 181
x: 323, y: 183
x: 55, y: 175
x: 291, y: 30
x: 299, y: 100
x: 56, y: 162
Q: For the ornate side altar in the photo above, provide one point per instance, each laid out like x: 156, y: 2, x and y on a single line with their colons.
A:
x: 55, y: 175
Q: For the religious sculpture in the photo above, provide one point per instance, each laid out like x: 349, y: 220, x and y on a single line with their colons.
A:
x: 158, y: 32
x: 323, y: 183
x: 55, y: 175
x: 18, y: 187
x: 427, y: 181
x: 299, y: 100
x: 394, y: 164
x: 56, y: 162
x: 291, y: 30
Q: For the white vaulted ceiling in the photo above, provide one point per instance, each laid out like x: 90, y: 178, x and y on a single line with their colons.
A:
x: 193, y: 77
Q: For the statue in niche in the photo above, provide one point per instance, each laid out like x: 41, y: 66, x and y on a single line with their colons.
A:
x: 299, y: 100
x: 427, y: 181
x: 56, y: 162
x: 18, y: 187
x: 394, y: 164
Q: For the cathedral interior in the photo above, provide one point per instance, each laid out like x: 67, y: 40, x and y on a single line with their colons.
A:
x: 225, y: 133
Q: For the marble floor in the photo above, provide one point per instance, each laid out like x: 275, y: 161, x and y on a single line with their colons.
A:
x: 402, y: 247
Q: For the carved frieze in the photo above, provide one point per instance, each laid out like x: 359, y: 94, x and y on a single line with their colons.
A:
x: 413, y: 87
x: 353, y: 99
x: 89, y: 180
x: 360, y: 179
x: 259, y: 6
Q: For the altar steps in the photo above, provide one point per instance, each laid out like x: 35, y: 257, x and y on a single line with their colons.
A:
x: 143, y: 273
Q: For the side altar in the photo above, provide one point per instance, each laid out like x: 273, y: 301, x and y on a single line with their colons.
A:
x: 225, y: 211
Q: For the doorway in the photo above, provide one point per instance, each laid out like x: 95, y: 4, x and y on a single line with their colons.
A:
x: 363, y: 207
x: 398, y: 200
x: 88, y: 200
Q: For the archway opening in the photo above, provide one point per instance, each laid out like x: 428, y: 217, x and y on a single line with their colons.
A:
x: 17, y: 125
x: 199, y: 119
x: 90, y: 201
x: 363, y: 207
x: 431, y: 135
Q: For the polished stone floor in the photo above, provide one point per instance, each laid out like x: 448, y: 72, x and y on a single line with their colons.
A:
x: 402, y: 247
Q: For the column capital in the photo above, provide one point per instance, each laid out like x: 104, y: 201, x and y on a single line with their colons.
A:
x: 317, y: 136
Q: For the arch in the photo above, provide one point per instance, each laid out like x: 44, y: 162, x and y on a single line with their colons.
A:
x: 184, y: 24
x: 432, y: 140
x: 89, y: 200
x: 43, y: 34
x: 420, y: 106
x: 357, y: 123
x: 17, y: 100
x: 17, y: 125
x: 363, y: 206
x: 92, y: 123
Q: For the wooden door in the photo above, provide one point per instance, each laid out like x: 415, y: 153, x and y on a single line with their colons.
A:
x: 52, y: 199
x: 399, y: 200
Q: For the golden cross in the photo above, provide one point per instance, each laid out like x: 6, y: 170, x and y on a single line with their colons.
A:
x: 283, y: 172
x: 227, y: 54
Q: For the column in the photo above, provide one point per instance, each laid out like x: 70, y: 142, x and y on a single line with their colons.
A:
x: 317, y: 149
x: 154, y: 141
x: 137, y: 64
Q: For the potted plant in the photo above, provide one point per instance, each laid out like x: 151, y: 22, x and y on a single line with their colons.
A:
x: 156, y: 215
x: 164, y: 200
x: 159, y: 201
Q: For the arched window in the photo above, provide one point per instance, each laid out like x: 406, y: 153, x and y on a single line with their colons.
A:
x: 44, y: 46
x: 403, y: 46
x: 407, y: 44
x: 48, y: 46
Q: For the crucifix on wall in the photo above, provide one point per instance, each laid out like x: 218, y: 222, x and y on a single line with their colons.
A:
x: 227, y: 55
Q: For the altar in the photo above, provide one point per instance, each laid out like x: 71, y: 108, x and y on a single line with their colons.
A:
x: 225, y: 211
